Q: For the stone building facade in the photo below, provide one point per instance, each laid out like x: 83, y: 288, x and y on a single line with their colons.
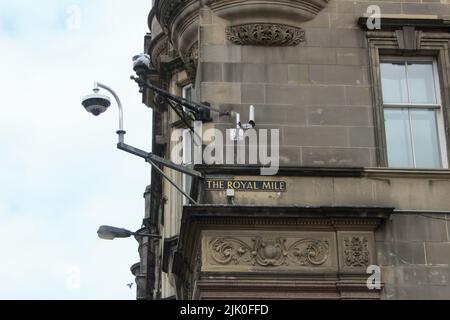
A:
x: 361, y: 107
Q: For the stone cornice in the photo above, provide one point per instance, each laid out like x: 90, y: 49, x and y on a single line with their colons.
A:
x: 326, y: 172
x: 299, y: 225
x: 285, y: 215
x: 290, y: 10
x: 398, y: 23
x: 321, y: 288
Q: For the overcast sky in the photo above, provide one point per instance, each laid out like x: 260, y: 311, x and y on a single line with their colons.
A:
x: 61, y: 176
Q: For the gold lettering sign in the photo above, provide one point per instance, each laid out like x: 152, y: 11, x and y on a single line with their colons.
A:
x: 245, y: 185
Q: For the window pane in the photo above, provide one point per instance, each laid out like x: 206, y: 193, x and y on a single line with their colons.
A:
x: 425, y: 139
x: 393, y: 78
x: 187, y: 93
x: 421, y: 83
x: 398, y: 138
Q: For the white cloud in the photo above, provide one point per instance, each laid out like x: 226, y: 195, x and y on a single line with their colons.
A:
x: 60, y: 174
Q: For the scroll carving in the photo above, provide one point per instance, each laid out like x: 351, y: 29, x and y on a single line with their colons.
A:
x: 309, y: 252
x: 230, y: 251
x: 265, y: 34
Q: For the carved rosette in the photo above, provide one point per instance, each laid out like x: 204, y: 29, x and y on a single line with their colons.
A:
x: 270, y: 252
x: 265, y: 34
x: 357, y: 252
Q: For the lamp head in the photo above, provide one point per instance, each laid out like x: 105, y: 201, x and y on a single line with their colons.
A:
x: 111, y: 233
x: 96, y: 103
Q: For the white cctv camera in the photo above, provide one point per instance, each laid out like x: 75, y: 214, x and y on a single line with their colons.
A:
x: 238, y: 133
x: 252, y: 117
x: 141, y: 63
x: 96, y: 103
x: 252, y: 120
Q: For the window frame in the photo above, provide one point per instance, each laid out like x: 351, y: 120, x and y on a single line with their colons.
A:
x: 184, y: 89
x: 438, y: 107
x: 389, y: 41
x: 187, y: 180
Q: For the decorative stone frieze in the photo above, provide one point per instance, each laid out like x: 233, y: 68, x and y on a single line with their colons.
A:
x: 269, y: 252
x: 265, y: 34
x: 327, y: 247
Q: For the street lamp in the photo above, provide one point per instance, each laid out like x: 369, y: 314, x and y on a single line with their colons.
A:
x: 111, y: 233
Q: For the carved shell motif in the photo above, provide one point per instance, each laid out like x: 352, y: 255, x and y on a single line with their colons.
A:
x: 265, y: 34
x: 271, y: 252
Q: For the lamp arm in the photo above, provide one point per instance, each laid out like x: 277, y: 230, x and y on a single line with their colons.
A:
x: 146, y: 235
x: 121, y: 132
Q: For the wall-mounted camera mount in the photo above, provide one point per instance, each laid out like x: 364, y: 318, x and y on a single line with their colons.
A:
x: 238, y: 133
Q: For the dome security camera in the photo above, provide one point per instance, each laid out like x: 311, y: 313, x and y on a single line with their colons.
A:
x: 96, y: 103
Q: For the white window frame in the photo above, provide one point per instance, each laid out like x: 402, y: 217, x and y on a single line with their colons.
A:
x: 436, y: 107
x: 184, y: 93
x: 187, y: 145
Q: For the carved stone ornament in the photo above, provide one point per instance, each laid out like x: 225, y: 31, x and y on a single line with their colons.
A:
x: 270, y: 252
x: 356, y: 252
x: 159, y: 47
x: 191, y: 61
x: 265, y: 34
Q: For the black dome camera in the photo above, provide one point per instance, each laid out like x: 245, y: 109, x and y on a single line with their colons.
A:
x: 96, y: 103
